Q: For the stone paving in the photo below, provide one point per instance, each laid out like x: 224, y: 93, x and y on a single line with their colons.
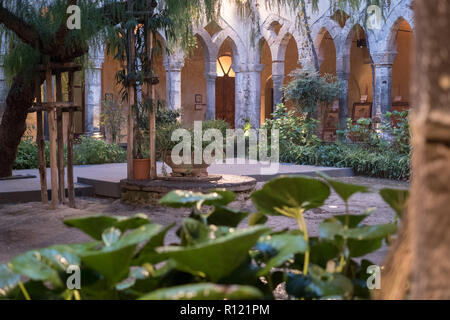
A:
x: 115, y: 172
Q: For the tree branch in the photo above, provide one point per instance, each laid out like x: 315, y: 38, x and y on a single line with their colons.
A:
x: 22, y: 29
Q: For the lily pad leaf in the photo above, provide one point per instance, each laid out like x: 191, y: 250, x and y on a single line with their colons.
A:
x: 112, y: 264
x: 94, y: 226
x: 370, y: 232
x: 193, y: 232
x: 129, y: 223
x: 397, y: 199
x: 8, y: 280
x: 344, y: 190
x: 335, y: 285
x: 36, y: 267
x: 45, y: 264
x: 114, y: 261
x: 205, y: 291
x: 224, y: 216
x: 148, y: 253
x: 329, y: 230
x: 139, y: 235
x: 135, y: 274
x: 286, y: 246
x: 354, y: 220
x: 284, y: 194
x: 110, y: 236
x: 359, y: 248
x: 321, y: 251
x: 226, y: 198
x: 187, y: 199
x: 217, y: 258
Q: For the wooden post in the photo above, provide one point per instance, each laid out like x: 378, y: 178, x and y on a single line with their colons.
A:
x: 152, y: 114
x: 130, y: 70
x: 70, y: 137
x: 52, y: 131
x: 60, y: 140
x: 40, y: 142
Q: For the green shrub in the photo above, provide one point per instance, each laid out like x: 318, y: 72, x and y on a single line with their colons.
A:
x: 308, y: 88
x: 401, y: 133
x: 364, y: 161
x: 88, y: 151
x: 164, y: 143
x: 213, y: 260
x: 92, y: 151
x: 367, y: 152
x: 27, y: 155
x: 293, y: 128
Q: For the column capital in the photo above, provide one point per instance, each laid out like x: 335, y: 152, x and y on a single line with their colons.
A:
x: 278, y: 68
x: 343, y: 75
x: 174, y: 66
x: 95, y: 63
x: 96, y: 57
x: 210, y: 76
x: 174, y: 62
x: 384, y: 58
x: 343, y: 65
x: 256, y: 67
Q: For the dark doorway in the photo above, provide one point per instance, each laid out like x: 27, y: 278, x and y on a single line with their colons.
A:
x: 225, y: 89
x: 225, y: 99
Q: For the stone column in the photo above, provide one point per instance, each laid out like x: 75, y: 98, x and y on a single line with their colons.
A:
x: 174, y: 64
x: 248, y: 95
x: 211, y: 93
x: 93, y: 90
x: 382, y: 93
x: 277, y: 79
x: 343, y: 74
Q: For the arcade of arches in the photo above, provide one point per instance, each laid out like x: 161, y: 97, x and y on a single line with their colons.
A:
x: 233, y: 77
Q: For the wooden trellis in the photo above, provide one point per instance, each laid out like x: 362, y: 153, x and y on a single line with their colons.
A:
x: 55, y: 106
x: 149, y: 93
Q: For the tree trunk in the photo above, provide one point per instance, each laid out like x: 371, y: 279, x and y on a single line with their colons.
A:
x: 430, y: 203
x: 397, y: 268
x: 13, y: 125
x: 428, y: 212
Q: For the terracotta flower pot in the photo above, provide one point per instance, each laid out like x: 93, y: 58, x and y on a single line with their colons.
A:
x: 141, y: 169
x: 187, y: 170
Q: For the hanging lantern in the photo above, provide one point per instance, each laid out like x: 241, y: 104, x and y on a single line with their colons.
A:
x: 224, y: 66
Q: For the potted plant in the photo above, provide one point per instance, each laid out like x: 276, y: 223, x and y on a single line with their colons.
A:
x: 164, y: 146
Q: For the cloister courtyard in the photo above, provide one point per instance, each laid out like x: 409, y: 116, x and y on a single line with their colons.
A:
x: 224, y: 150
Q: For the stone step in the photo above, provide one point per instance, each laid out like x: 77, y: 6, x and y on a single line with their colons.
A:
x: 81, y: 190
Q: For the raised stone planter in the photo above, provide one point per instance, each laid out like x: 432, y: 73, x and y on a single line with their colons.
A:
x: 149, y: 192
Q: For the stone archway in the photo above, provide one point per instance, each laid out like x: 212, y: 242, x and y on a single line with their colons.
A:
x: 267, y: 89
x: 225, y: 83
x: 328, y: 115
x: 401, y: 69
